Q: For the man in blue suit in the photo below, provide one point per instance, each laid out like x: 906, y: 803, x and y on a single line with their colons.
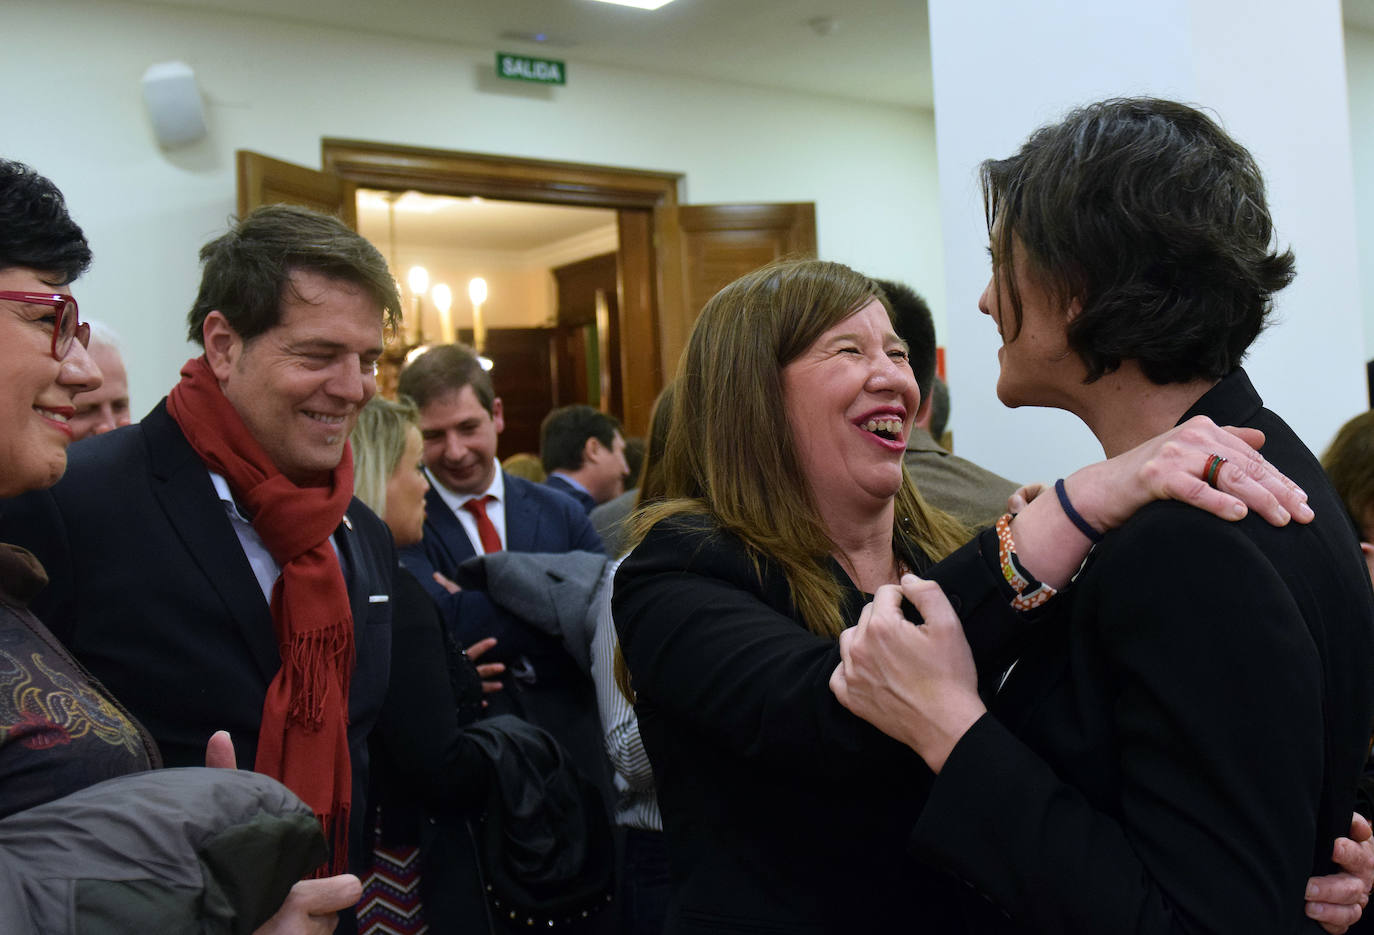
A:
x: 474, y: 507
x: 584, y: 453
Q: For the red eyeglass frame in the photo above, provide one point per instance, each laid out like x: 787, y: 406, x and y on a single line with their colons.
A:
x: 76, y: 331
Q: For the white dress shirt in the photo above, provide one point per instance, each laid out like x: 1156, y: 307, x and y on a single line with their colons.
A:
x: 265, y: 567
x: 496, y: 507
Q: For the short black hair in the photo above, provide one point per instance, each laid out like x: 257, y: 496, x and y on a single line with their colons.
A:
x: 35, y: 229
x: 564, y: 433
x: 912, y: 321
x: 1154, y: 219
x: 247, y: 270
x: 443, y: 369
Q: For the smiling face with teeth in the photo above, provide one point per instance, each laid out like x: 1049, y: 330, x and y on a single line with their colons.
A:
x: 849, y: 399
x: 34, y: 433
x: 299, y: 385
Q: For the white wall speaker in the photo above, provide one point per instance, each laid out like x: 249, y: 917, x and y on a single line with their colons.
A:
x: 174, y: 104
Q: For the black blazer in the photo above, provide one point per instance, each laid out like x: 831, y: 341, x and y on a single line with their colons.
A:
x: 151, y: 591
x: 784, y: 812
x: 1179, y: 746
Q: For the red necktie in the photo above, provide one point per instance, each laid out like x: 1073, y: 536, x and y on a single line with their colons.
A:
x: 486, y: 529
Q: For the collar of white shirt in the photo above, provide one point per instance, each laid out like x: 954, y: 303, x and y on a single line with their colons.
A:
x: 496, y: 507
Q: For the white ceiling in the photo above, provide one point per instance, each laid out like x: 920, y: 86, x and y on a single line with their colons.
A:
x: 474, y: 224
x: 878, y: 50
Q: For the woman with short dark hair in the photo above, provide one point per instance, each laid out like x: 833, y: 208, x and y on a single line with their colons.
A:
x: 1178, y: 745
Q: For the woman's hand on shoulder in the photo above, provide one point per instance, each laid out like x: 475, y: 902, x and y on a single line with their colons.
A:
x: 917, y: 684
x: 1174, y: 466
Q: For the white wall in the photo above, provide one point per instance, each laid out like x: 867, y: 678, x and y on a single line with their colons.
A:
x: 73, y: 110
x: 1274, y: 77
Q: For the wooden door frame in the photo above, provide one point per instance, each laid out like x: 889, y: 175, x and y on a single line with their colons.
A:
x: 653, y: 316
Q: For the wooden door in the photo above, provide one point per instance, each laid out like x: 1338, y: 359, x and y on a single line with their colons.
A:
x: 523, y: 377
x: 720, y: 243
x: 263, y: 180
x: 588, y: 292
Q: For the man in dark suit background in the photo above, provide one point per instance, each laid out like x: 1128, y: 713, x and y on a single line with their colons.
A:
x: 190, y: 552
x: 473, y: 507
x: 584, y: 453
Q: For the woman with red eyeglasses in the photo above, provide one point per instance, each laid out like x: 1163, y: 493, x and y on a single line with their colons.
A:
x: 44, y: 359
x: 60, y: 730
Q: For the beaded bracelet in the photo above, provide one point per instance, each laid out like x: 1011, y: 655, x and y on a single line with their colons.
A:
x: 1029, y: 592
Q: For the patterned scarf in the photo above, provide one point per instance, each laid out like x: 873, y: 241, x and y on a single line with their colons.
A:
x: 303, y: 740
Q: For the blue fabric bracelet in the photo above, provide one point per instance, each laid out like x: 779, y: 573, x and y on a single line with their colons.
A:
x: 1093, y: 535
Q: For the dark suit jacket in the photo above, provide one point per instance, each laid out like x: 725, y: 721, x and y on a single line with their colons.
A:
x: 784, y: 812
x: 151, y: 591
x: 538, y: 519
x: 584, y: 499
x: 1179, y: 746
x: 542, y: 683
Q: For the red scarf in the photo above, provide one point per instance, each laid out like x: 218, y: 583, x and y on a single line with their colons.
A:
x: 303, y: 740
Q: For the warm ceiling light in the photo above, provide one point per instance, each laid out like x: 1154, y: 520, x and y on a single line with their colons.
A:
x: 443, y: 297
x: 639, y: 4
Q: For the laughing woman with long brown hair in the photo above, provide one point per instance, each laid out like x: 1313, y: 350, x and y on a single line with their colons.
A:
x: 786, y: 506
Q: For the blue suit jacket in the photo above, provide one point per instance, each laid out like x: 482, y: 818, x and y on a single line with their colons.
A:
x: 151, y: 591
x: 538, y: 519
x: 584, y: 499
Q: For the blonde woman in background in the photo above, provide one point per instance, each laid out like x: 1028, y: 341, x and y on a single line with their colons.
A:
x: 526, y: 465
x: 423, y: 759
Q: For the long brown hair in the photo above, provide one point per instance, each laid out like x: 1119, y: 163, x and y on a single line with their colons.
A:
x: 1349, y: 462
x: 730, y: 453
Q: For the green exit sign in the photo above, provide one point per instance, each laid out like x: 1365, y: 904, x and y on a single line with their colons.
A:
x: 525, y: 68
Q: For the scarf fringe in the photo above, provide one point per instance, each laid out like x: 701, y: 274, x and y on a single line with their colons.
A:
x: 312, y: 658
x: 335, y: 828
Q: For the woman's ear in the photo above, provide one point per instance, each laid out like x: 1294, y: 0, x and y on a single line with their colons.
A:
x: 1074, y: 310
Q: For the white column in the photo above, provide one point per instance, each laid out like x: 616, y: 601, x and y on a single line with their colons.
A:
x: 1272, y: 71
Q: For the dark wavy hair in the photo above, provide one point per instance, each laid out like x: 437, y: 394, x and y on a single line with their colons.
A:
x: 245, y: 271
x: 35, y: 229
x: 1155, y: 220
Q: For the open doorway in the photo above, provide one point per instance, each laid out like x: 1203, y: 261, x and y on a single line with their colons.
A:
x: 670, y: 259
x: 532, y: 286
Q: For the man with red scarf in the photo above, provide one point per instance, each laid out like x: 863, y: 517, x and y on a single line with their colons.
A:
x: 210, y: 564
